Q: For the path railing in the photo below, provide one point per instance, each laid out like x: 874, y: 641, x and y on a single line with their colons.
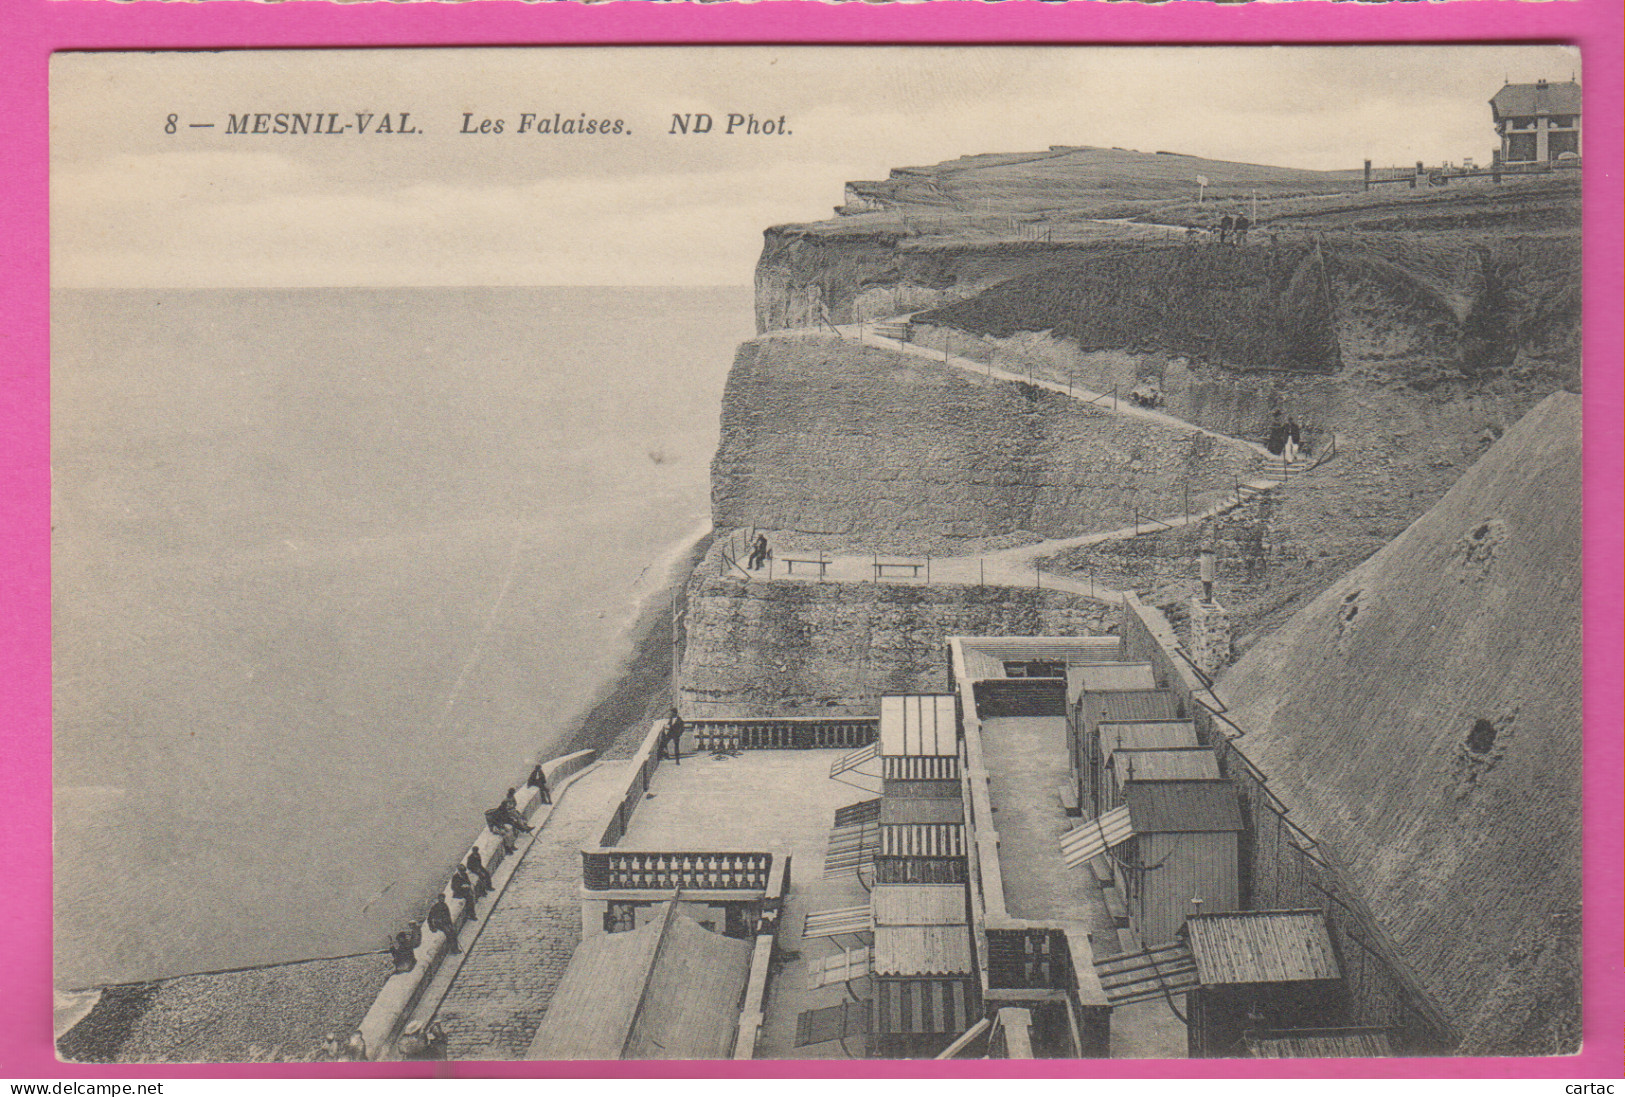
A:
x: 662, y: 870
x: 784, y: 733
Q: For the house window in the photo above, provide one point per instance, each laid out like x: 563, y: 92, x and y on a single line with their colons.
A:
x: 621, y: 918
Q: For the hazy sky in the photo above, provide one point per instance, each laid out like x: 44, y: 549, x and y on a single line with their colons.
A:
x: 135, y: 206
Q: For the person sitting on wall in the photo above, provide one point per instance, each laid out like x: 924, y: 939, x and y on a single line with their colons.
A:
x: 511, y: 812
x: 496, y: 820
x: 672, y: 738
x: 481, y: 874
x: 440, y: 921
x: 538, y: 781
x: 758, y: 553
x: 463, y: 888
x: 403, y: 954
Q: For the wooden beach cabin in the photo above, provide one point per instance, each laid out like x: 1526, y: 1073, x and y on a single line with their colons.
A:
x: 1183, y: 855
x: 1096, y: 793
x: 1092, y: 709
x: 1269, y: 982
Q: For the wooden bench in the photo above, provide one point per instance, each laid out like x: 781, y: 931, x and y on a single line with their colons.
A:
x: 790, y: 563
x: 914, y: 567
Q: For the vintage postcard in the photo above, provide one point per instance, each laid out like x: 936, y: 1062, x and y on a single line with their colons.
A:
x: 817, y: 552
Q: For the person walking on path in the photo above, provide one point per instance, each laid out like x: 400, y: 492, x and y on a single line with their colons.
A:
x: 672, y: 738
x: 440, y: 921
x: 538, y: 781
x: 1277, y: 436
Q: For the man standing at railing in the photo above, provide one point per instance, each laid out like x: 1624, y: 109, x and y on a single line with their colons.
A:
x: 672, y: 738
x: 1290, y: 447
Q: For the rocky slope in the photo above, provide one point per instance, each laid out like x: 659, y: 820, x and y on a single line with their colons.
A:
x: 829, y: 444
x: 812, y: 649
x: 1422, y: 716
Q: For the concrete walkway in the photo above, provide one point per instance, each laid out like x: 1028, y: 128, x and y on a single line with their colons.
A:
x: 493, y: 1001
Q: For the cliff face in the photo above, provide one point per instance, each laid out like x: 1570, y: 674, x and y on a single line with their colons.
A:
x: 870, y: 450
x: 809, y: 649
x: 1422, y: 717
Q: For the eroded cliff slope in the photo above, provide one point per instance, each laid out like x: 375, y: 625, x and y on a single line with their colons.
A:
x: 831, y: 444
x: 1422, y: 717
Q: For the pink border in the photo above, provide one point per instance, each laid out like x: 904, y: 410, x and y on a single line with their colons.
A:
x: 31, y: 29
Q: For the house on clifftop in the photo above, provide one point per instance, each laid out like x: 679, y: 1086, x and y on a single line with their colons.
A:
x: 1538, y: 123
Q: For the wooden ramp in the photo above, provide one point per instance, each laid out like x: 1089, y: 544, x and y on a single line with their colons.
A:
x: 1142, y: 976
x: 1096, y: 837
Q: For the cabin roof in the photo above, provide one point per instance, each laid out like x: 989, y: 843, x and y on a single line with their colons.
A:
x: 1321, y: 1043
x: 1129, y: 706
x: 918, y: 725
x: 919, y: 904
x: 669, y: 989
x: 1147, y: 735
x: 1200, y: 764
x: 1182, y: 807
x: 922, y: 950
x: 1261, y: 946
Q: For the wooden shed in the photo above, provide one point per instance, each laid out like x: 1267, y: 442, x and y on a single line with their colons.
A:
x: 1118, y: 706
x: 1108, y: 678
x: 1110, y: 736
x: 1262, y: 971
x: 922, y: 840
x: 1187, y: 764
x: 1184, y: 850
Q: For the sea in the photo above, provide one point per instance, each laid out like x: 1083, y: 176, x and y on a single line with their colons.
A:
x: 331, y: 569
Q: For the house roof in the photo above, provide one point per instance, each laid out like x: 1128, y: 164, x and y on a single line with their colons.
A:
x: 1182, y: 807
x: 918, y: 724
x: 1522, y: 100
x: 670, y: 989
x: 1261, y: 946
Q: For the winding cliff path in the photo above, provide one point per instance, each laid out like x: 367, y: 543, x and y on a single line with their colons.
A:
x: 1018, y: 567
